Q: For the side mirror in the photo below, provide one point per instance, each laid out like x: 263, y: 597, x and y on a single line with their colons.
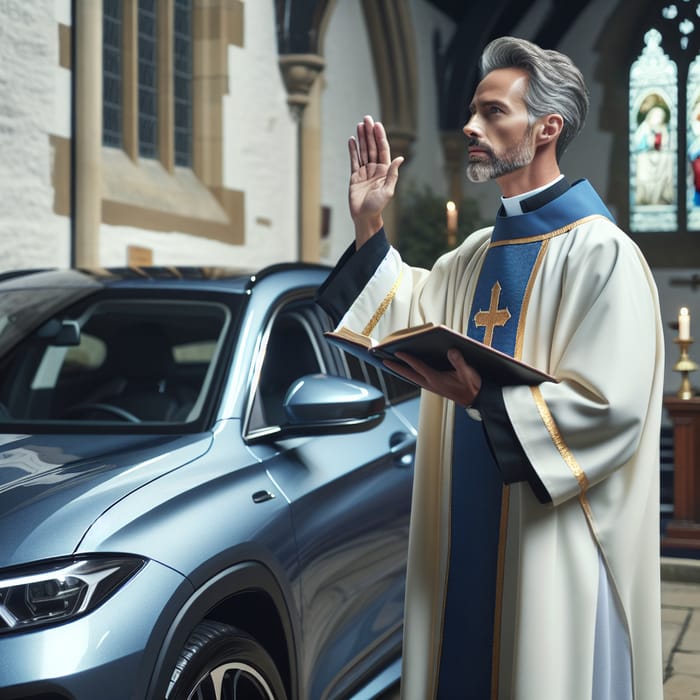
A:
x: 320, y: 404
x: 60, y: 333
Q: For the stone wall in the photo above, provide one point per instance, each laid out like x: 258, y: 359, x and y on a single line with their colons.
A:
x: 33, y: 106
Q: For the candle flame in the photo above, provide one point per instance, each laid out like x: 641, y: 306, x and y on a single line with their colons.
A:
x: 451, y: 206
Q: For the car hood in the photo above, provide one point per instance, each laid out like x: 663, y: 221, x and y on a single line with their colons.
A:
x: 54, y: 487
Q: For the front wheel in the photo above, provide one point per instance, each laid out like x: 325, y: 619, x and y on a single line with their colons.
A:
x: 220, y: 662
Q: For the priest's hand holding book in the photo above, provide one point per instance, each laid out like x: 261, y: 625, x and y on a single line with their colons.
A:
x: 460, y: 384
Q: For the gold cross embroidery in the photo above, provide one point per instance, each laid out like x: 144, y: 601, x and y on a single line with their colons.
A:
x: 494, y: 316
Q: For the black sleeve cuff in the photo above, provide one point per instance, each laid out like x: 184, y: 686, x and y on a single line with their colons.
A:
x: 504, y: 443
x: 351, y: 275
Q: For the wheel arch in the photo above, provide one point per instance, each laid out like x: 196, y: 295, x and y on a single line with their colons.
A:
x: 246, y: 596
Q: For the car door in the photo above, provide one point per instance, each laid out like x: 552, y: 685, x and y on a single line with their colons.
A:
x: 350, y: 501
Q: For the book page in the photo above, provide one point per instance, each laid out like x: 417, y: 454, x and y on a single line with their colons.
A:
x: 405, y: 332
x: 353, y: 337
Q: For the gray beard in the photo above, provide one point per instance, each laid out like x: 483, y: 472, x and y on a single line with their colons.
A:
x: 517, y: 157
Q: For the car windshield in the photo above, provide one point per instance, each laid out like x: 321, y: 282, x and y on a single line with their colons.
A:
x: 21, y: 309
x: 91, y: 356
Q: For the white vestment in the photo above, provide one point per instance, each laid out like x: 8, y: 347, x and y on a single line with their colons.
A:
x: 590, y: 318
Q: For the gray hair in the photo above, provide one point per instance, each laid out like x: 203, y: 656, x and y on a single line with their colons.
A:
x: 555, y: 84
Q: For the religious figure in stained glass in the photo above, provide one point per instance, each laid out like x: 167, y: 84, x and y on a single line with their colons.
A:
x: 694, y: 150
x: 693, y: 144
x: 664, y: 122
x: 651, y: 144
x: 653, y: 138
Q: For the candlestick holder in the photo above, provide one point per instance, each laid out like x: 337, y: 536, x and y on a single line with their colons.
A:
x: 684, y: 366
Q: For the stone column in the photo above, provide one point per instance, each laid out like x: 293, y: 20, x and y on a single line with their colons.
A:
x: 88, y: 131
x: 304, y: 98
x: 401, y: 141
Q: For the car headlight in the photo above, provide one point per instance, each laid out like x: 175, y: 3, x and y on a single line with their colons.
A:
x: 59, y: 590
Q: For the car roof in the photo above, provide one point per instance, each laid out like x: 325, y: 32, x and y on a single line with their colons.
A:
x: 230, y: 279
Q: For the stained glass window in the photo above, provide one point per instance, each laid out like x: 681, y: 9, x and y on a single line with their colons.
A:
x: 653, y: 138
x: 664, y: 122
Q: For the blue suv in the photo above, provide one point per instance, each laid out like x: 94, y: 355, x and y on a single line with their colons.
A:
x: 200, y: 497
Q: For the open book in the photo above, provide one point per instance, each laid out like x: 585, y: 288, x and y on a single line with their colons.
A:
x: 430, y: 343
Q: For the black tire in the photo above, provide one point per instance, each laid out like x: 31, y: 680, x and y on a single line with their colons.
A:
x: 219, y: 654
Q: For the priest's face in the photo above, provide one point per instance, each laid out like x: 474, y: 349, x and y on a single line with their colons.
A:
x: 499, y: 130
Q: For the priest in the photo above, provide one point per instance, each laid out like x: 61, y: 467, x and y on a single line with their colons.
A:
x: 533, y: 567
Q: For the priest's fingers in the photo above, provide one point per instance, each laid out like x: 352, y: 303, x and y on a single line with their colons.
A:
x: 421, y: 373
x: 392, y: 176
x: 362, y: 142
x: 415, y: 364
x: 460, y: 384
x: 466, y: 373
x: 354, y: 152
x: 382, y: 144
x: 406, y: 372
x: 371, y: 134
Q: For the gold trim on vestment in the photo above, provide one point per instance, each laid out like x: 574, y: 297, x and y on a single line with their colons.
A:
x: 583, y: 483
x: 367, y: 330
x: 520, y: 332
x: 558, y: 440
x: 551, y: 234
x: 589, y: 516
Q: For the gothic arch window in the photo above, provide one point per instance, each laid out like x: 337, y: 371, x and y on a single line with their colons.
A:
x: 664, y: 122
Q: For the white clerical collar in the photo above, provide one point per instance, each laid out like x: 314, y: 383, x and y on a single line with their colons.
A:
x: 511, y: 205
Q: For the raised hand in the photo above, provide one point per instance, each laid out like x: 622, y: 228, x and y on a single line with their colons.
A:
x: 373, y: 178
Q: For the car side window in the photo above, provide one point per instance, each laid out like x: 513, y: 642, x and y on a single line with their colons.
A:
x: 292, y: 351
x: 137, y: 360
x: 295, y: 347
x: 394, y: 388
x: 398, y: 390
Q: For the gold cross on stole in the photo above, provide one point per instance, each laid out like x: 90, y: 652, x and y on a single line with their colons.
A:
x: 494, y: 316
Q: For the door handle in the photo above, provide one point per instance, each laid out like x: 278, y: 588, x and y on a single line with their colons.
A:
x: 402, y: 447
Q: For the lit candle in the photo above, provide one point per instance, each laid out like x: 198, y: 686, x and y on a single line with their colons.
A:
x: 683, y: 324
x: 451, y: 223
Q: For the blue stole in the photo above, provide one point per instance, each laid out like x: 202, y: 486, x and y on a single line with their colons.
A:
x: 478, y: 509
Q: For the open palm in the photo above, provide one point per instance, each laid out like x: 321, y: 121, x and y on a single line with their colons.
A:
x: 370, y: 190
x: 373, y: 174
